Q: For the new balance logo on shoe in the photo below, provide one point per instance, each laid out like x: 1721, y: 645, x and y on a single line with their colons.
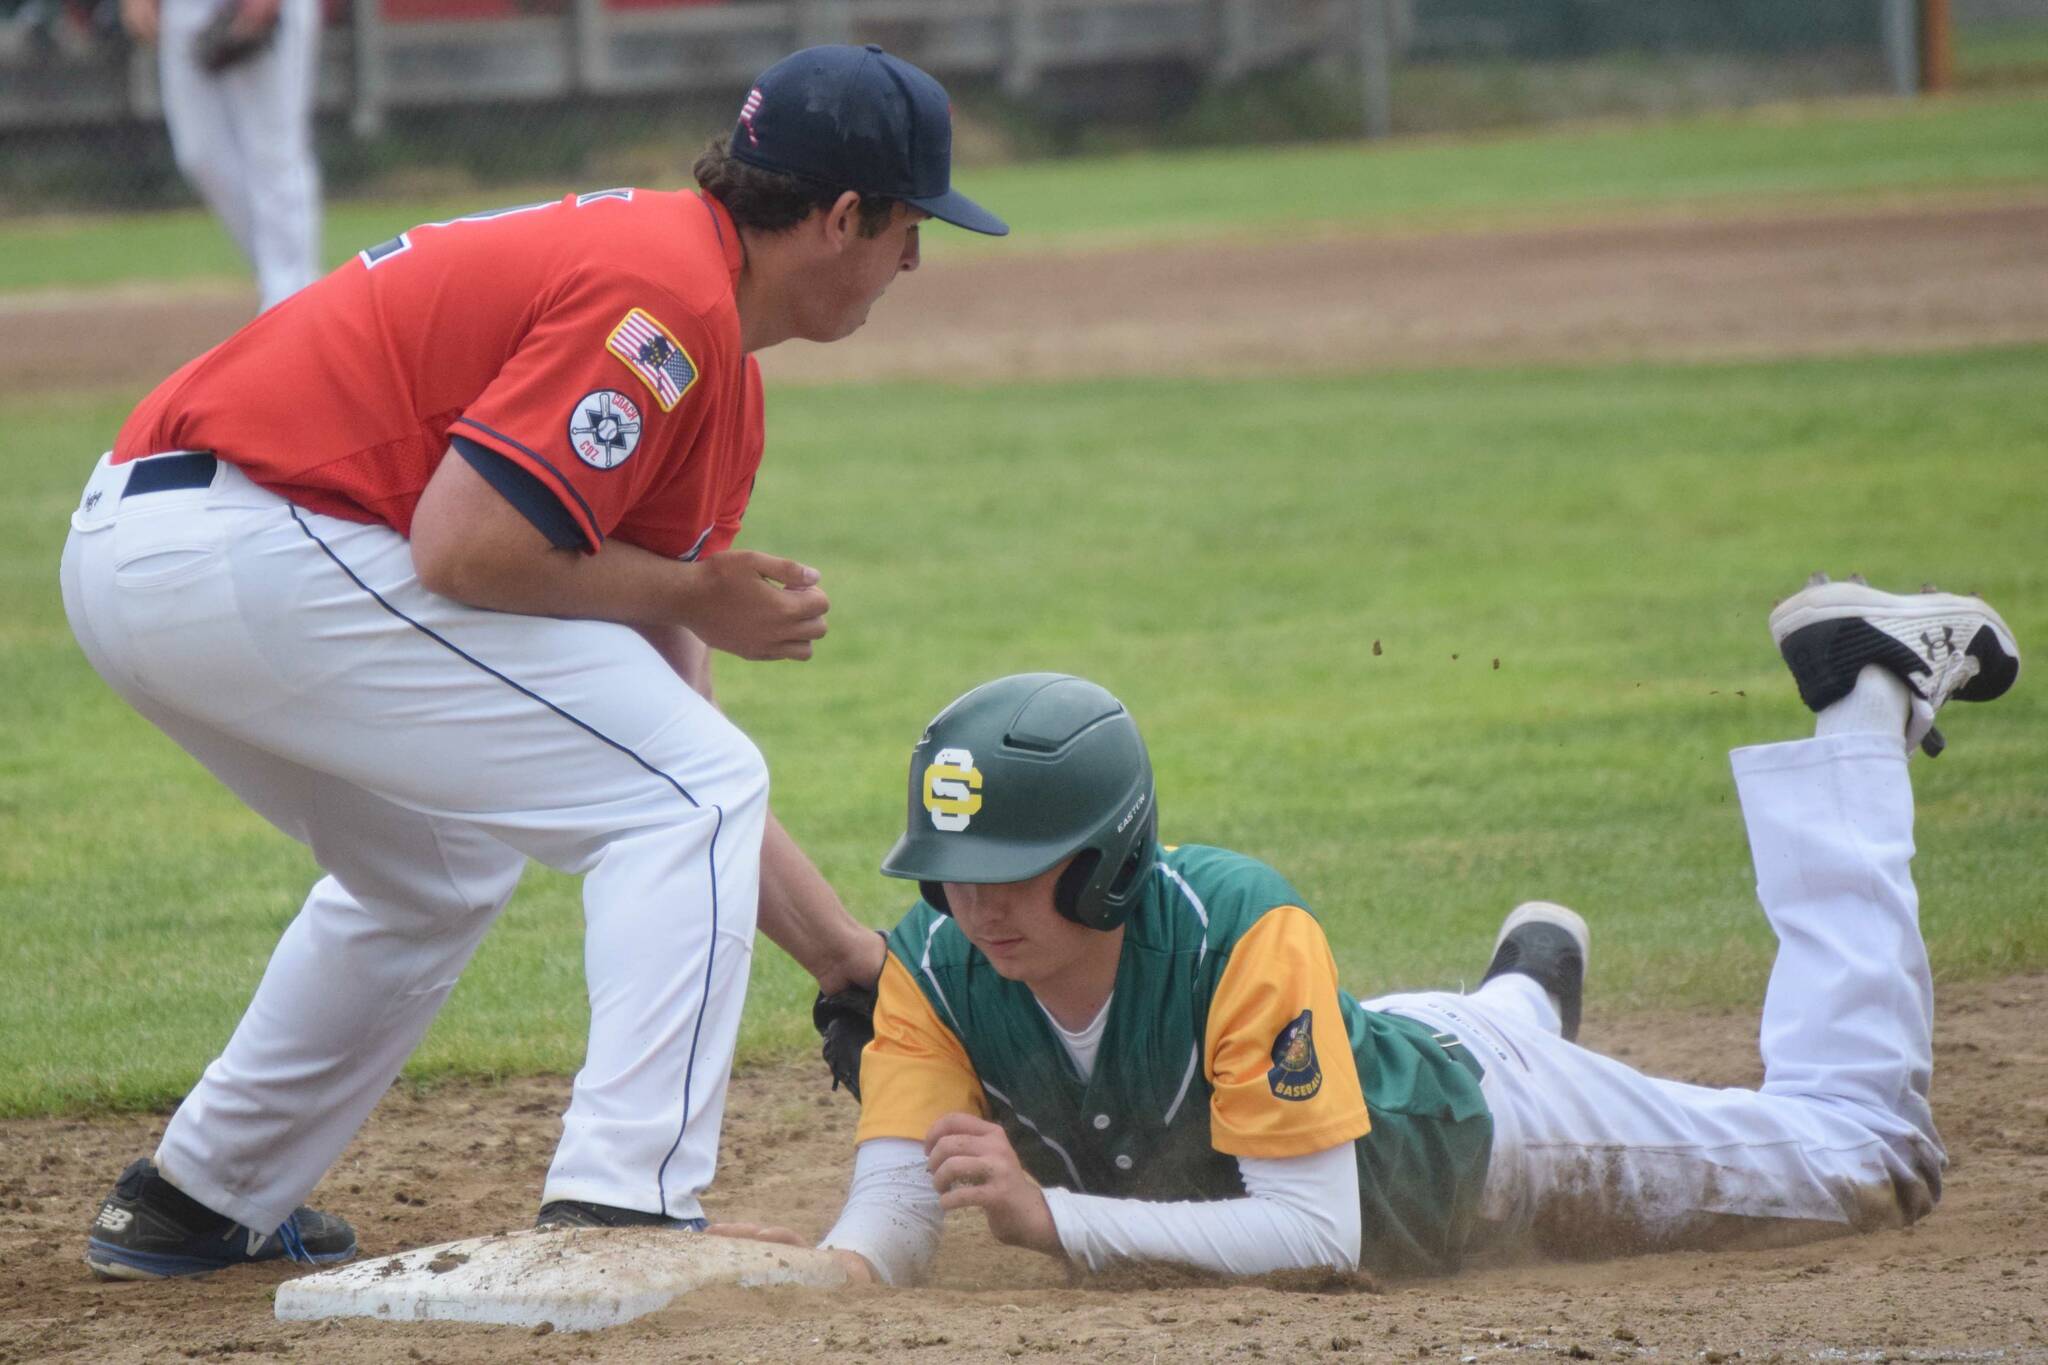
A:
x: 180, y: 1236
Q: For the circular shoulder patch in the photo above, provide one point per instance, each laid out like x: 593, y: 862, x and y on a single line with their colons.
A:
x: 604, y: 428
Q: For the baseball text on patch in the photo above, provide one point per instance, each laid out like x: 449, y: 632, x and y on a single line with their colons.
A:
x: 651, y: 351
x: 604, y: 428
x: 1296, y: 1074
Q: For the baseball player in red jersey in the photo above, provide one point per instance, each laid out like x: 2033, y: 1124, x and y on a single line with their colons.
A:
x: 431, y: 669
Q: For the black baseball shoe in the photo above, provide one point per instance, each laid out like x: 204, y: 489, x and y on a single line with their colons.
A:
x: 149, y: 1229
x: 1941, y: 645
x: 1546, y: 943
x: 578, y: 1213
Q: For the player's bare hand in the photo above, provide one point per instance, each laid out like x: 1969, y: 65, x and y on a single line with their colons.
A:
x: 756, y: 605
x: 757, y: 1232
x: 858, y: 1271
x: 973, y: 1166
x: 253, y: 16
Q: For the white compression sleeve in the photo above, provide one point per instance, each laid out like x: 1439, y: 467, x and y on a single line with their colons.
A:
x: 1297, y: 1213
x: 892, y: 1213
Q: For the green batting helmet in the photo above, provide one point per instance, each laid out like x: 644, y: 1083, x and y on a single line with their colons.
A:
x: 1018, y: 774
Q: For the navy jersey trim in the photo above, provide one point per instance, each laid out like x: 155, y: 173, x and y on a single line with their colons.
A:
x: 522, y: 488
x: 711, y: 854
x: 593, y: 537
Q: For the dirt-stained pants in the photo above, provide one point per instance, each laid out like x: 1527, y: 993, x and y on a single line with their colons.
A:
x: 1593, y: 1156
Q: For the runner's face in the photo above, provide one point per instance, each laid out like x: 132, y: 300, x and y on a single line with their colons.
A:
x: 1020, y: 931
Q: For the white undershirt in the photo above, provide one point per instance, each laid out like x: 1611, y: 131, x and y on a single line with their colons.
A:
x: 1081, y: 1046
x: 1297, y: 1213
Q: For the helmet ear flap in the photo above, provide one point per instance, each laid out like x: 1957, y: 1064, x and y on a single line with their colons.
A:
x: 934, y: 894
x: 1066, y: 892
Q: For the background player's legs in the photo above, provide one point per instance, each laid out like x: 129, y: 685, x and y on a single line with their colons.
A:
x: 243, y: 138
x: 205, y: 137
x: 572, y: 742
x: 270, y: 104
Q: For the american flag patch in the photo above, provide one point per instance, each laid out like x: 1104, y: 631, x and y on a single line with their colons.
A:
x: 656, y: 356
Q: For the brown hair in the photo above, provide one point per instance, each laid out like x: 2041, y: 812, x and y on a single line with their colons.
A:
x: 774, y: 201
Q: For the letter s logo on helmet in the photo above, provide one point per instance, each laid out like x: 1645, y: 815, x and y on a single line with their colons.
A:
x: 952, y: 789
x: 1049, y: 769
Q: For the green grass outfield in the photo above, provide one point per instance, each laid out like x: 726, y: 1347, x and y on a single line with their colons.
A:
x: 1226, y: 556
x: 1832, y: 150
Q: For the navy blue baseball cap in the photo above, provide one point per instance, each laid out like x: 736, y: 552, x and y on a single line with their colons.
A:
x: 858, y: 117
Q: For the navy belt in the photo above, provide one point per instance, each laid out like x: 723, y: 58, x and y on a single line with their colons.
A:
x: 162, y: 473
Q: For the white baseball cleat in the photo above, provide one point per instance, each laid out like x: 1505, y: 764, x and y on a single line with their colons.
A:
x: 1941, y: 645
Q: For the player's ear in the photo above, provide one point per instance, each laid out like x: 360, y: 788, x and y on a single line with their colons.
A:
x: 842, y: 220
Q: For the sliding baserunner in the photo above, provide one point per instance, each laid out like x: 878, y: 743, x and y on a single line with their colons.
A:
x: 1120, y: 1052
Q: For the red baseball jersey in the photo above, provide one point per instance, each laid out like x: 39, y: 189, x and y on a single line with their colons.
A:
x: 594, y: 341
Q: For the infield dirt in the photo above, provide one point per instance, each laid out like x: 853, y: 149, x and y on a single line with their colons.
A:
x: 1967, y: 1284
x: 1883, y: 278
x: 461, y: 1160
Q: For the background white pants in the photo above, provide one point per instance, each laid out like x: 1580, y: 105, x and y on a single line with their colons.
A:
x: 424, y: 750
x: 1595, y: 1157
x: 244, y: 138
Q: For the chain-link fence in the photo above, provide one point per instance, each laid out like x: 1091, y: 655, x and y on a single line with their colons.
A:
x: 451, y: 92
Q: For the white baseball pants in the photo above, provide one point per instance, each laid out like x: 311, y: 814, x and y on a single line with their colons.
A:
x: 425, y: 750
x: 1591, y: 1155
x: 244, y: 138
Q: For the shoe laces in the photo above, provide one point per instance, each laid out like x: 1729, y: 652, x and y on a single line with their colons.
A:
x: 294, y: 1246
x: 1945, y: 673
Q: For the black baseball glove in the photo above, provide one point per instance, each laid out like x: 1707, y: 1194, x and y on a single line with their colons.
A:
x: 845, y: 1019
x: 229, y: 40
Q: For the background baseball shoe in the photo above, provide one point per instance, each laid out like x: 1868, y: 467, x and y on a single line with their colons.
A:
x: 578, y: 1213
x: 149, y: 1229
x: 1941, y: 645
x: 1547, y: 943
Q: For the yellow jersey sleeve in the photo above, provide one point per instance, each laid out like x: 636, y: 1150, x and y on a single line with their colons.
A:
x: 915, y: 1069
x: 1278, y: 1056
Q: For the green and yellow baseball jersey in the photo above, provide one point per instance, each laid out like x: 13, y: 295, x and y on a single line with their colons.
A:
x: 1226, y: 1037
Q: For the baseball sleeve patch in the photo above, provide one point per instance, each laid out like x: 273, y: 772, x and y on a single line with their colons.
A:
x: 1296, y: 1074
x: 652, y: 352
x: 604, y: 428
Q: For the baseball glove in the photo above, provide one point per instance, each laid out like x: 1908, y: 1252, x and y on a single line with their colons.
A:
x: 845, y: 1019
x: 229, y: 39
